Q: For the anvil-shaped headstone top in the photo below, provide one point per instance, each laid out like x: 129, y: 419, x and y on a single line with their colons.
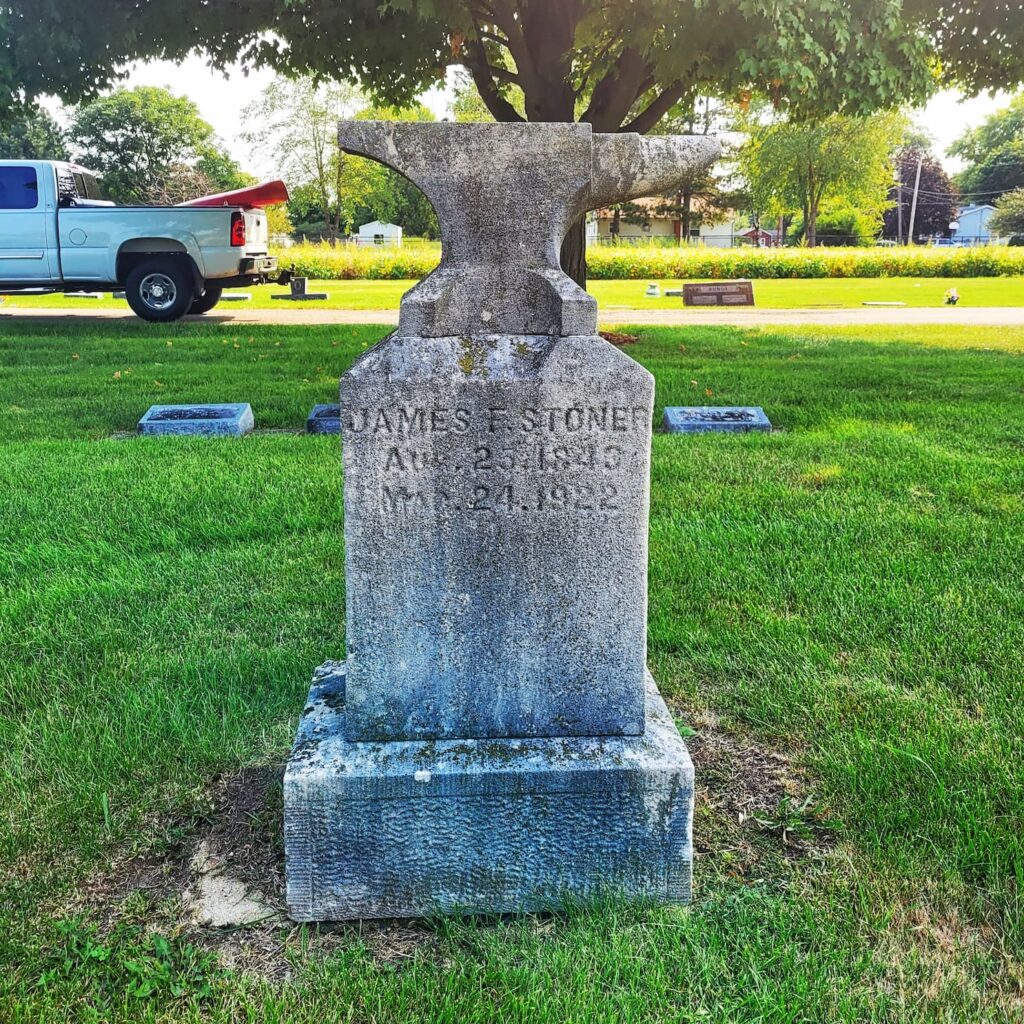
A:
x: 505, y: 196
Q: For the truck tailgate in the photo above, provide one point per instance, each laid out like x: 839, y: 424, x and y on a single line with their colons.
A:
x: 256, y: 233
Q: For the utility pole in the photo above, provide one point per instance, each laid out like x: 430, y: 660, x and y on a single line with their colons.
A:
x: 913, y: 202
x: 899, y: 211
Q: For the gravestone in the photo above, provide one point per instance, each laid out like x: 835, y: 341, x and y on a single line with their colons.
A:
x: 297, y: 292
x: 723, y: 293
x: 228, y: 420
x: 493, y: 741
x: 707, y: 419
x: 324, y: 419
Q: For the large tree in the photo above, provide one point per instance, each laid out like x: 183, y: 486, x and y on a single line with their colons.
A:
x: 31, y: 133
x: 297, y: 122
x: 618, y: 64
x: 938, y: 199
x: 805, y: 165
x: 993, y: 153
x: 1008, y: 220
x: 151, y: 146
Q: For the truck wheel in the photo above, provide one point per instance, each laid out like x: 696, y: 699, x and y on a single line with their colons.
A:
x: 160, y: 290
x: 206, y: 301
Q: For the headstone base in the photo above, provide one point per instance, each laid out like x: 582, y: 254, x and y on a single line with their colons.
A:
x: 416, y: 828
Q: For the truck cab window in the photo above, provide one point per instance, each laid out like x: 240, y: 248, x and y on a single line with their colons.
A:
x: 19, y: 188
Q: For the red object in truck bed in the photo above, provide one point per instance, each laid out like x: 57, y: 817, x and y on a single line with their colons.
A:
x: 265, y: 194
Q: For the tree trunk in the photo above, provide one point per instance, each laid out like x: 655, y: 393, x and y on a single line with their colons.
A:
x: 574, y: 252
x: 687, y: 202
x: 812, y: 227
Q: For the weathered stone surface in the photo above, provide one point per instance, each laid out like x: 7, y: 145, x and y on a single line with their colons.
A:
x: 228, y: 420
x: 705, y: 419
x: 324, y: 419
x: 495, y: 742
x: 417, y: 828
x: 496, y: 504
x: 505, y: 196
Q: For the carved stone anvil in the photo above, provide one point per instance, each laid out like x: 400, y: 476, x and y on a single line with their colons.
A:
x: 505, y: 196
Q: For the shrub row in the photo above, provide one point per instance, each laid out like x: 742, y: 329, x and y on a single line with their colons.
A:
x: 416, y: 260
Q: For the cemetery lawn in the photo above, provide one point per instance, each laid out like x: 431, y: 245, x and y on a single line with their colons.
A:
x: 836, y: 618
x: 769, y: 294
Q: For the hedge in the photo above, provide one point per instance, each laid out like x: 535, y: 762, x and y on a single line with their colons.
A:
x: 417, y: 259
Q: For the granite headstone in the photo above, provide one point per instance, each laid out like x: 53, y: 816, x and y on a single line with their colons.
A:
x: 495, y: 741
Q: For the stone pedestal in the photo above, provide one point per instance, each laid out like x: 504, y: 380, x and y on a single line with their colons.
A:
x: 415, y: 828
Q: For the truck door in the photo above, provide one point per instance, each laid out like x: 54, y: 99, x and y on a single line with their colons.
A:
x: 25, y: 225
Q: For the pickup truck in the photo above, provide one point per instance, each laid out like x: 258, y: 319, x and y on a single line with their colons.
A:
x: 58, y: 235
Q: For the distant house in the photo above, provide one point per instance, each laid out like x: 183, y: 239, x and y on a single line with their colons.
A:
x: 379, y: 233
x: 972, y: 224
x: 612, y: 225
x: 759, y: 237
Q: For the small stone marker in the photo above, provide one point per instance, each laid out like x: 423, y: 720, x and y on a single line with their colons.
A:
x: 708, y: 419
x: 676, y: 293
x: 324, y: 419
x: 494, y: 741
x: 298, y: 293
x: 236, y: 297
x: 118, y: 295
x: 83, y: 295
x: 653, y: 291
x: 724, y: 293
x: 230, y: 420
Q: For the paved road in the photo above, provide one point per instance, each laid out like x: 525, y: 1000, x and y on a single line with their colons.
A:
x: 938, y: 316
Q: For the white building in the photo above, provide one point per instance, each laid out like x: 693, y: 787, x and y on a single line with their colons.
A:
x: 378, y: 233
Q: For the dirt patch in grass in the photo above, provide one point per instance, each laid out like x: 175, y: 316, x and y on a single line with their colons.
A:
x: 217, y: 879
x: 753, y: 804
x: 218, y: 882
x: 619, y: 338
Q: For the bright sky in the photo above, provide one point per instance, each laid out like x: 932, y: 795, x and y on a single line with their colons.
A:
x: 220, y: 98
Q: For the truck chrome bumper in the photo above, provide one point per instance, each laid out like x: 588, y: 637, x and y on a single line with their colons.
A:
x: 259, y: 266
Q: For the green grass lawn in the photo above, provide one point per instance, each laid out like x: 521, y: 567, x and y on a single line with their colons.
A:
x: 836, y: 618
x: 769, y: 294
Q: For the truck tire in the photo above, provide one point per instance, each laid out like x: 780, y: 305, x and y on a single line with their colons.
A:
x: 160, y: 289
x: 205, y: 302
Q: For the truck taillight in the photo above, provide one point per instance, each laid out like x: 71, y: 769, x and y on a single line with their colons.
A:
x: 237, y: 229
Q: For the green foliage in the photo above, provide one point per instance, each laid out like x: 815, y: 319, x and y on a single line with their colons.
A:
x: 794, y: 166
x: 151, y: 146
x: 638, y: 262
x: 124, y: 964
x: 994, y: 154
x: 297, y: 122
x: 840, y: 225
x: 31, y: 133
x: 621, y: 60
x: 1008, y: 220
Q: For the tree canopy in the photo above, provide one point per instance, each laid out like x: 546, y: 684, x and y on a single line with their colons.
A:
x: 805, y: 166
x: 616, y: 63
x: 31, y: 133
x: 151, y: 146
x: 1008, y: 220
x: 993, y: 153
